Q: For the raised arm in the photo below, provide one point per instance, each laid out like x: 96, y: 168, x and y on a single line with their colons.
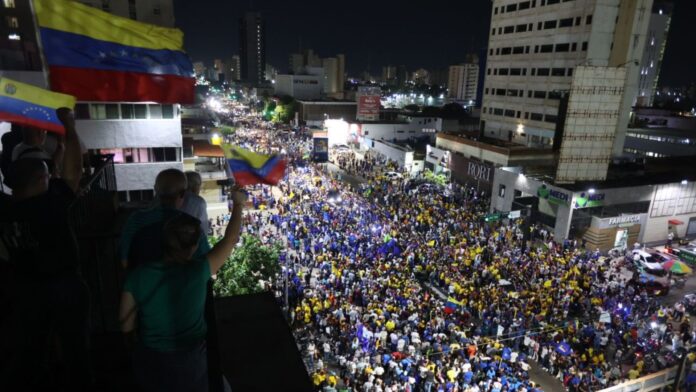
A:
x: 72, y: 162
x: 222, y: 250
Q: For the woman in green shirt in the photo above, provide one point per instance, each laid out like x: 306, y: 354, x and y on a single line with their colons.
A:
x: 163, y: 302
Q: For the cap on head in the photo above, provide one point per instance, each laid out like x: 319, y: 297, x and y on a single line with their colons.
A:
x: 170, y: 184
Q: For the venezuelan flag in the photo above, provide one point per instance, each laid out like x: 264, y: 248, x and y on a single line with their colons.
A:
x: 249, y: 168
x: 32, y: 106
x: 451, y: 305
x: 97, y: 56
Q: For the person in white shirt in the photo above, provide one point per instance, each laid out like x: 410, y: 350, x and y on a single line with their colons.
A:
x: 194, y: 204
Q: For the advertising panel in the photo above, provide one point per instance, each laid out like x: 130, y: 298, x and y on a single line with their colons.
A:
x: 465, y: 170
x: 321, y: 149
x: 368, y: 103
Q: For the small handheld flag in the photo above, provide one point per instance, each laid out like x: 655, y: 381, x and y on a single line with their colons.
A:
x: 250, y: 168
x: 452, y: 305
x: 32, y: 106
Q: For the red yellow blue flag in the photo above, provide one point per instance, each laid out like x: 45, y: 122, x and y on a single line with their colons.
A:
x: 32, y: 106
x: 250, y: 168
x: 97, y: 56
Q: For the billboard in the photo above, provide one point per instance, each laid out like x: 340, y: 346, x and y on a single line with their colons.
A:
x: 321, y: 149
x: 592, y: 121
x: 368, y: 103
x: 472, y: 172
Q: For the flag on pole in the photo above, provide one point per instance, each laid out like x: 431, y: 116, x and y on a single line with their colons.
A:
x: 32, y: 106
x: 97, y: 56
x: 250, y: 168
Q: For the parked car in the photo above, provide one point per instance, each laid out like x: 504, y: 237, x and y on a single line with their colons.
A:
x: 342, y: 148
x: 392, y: 176
x: 647, y: 262
x: 655, y: 286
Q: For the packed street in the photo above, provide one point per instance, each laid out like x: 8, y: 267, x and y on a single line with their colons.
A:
x: 401, y: 286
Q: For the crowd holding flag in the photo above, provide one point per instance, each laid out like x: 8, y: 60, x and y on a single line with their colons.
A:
x: 97, y: 56
x: 31, y: 106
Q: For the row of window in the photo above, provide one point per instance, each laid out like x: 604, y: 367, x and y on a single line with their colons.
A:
x: 549, y: 118
x: 525, y: 5
x: 556, y: 95
x: 546, y: 25
x: 547, y: 48
x: 663, y: 139
x: 144, y: 155
x: 123, y: 111
x: 534, y: 71
x: 645, y: 153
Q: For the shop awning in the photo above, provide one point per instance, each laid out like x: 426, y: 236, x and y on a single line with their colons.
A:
x: 203, y: 148
x: 675, y: 222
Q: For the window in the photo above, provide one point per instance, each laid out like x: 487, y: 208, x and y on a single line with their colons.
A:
x: 127, y: 111
x: 12, y: 22
x: 491, y: 51
x: 489, y: 71
x: 536, y: 48
x: 486, y: 91
x: 526, y: 49
x: 97, y: 111
x: 9, y: 3
x: 140, y: 111
x: 518, y: 50
x: 111, y: 110
x: 524, y: 5
x: 530, y: 27
x: 584, y: 46
x: 536, y: 117
x: 501, y: 190
x: 82, y: 111
x: 578, y: 20
x: 540, y: 94
x: 558, y: 72
x: 570, y: 72
x: 539, y: 25
x: 588, y: 19
x: 506, y: 51
x: 493, y: 32
x: 497, y: 51
x: 498, y: 112
x: 516, y: 71
x: 549, y: 2
x: 511, y: 8
x: 555, y: 95
x: 562, y: 47
x: 509, y: 29
x: 155, y: 111
x: 546, y: 48
x: 495, y: 10
x: 549, y: 24
x: 533, y: 71
x: 503, y: 71
x: 567, y: 22
x: 512, y: 93
x: 574, y: 47
x: 550, y: 118
x: 509, y: 113
x: 164, y: 154
x: 168, y: 111
x: 500, y: 91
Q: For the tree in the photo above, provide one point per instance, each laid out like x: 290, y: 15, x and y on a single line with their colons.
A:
x: 249, y: 263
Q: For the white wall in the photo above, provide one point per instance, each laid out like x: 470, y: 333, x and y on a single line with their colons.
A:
x: 138, y: 176
x: 403, y: 158
x: 400, y: 131
x: 129, y: 133
x: 473, y: 151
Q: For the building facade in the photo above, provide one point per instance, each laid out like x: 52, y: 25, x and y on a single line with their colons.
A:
x: 534, y: 47
x: 302, y: 87
x: 463, y: 81
x: 252, y: 46
x: 650, y: 65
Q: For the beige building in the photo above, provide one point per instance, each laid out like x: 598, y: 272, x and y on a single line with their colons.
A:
x: 463, y: 80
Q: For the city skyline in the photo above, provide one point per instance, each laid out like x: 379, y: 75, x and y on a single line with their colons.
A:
x: 431, y: 38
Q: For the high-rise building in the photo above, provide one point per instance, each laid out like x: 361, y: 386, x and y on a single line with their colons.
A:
x: 421, y: 76
x: 333, y: 79
x: 199, y: 68
x: 18, y: 48
x: 534, y: 47
x: 219, y: 68
x: 235, y: 68
x: 252, y: 48
x: 463, y: 80
x: 389, y: 75
x: 655, y: 44
x: 270, y: 73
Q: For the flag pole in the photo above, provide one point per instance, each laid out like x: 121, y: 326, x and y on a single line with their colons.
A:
x: 39, y: 45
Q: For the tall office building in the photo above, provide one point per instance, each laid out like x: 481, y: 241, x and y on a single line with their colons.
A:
x: 235, y: 68
x: 334, y: 68
x: 534, y: 48
x: 389, y: 74
x: 252, y: 46
x: 463, y: 80
x: 655, y: 44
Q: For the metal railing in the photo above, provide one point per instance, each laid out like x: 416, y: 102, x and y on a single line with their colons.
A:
x: 99, y: 186
x: 651, y: 382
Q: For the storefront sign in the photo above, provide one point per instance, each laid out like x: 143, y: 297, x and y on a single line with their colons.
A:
x: 618, y: 221
x: 479, y: 171
x: 587, y: 200
x: 469, y: 171
x: 554, y: 196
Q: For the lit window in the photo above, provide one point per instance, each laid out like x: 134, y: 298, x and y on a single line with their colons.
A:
x: 9, y: 3
x: 13, y: 37
x: 12, y: 22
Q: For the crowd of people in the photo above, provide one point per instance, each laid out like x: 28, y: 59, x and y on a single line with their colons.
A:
x: 398, y: 289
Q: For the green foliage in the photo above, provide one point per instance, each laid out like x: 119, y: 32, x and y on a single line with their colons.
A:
x: 248, y: 264
x: 439, y: 179
x: 227, y: 130
x: 285, y: 110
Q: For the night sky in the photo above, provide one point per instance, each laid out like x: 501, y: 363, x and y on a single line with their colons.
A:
x: 431, y: 34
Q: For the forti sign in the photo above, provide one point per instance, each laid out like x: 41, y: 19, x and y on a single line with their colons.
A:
x: 479, y: 171
x: 553, y: 196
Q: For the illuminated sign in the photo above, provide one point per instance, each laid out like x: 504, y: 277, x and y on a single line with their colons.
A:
x: 553, y: 196
x: 587, y: 200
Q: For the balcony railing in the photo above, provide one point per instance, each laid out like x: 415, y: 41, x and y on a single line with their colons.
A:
x: 96, y: 196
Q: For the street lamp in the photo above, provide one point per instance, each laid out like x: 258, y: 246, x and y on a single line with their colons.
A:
x: 591, y: 191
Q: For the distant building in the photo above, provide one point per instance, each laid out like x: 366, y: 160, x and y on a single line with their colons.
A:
x: 252, y: 47
x: 271, y: 72
x: 658, y: 30
x: 301, y: 87
x: 235, y: 68
x: 334, y: 69
x: 199, y: 68
x: 421, y: 76
x: 463, y: 80
x: 389, y: 75
x: 18, y: 48
x: 219, y: 68
x: 155, y: 12
x: 439, y: 77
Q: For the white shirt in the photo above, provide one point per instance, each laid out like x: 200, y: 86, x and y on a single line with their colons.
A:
x: 196, y: 206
